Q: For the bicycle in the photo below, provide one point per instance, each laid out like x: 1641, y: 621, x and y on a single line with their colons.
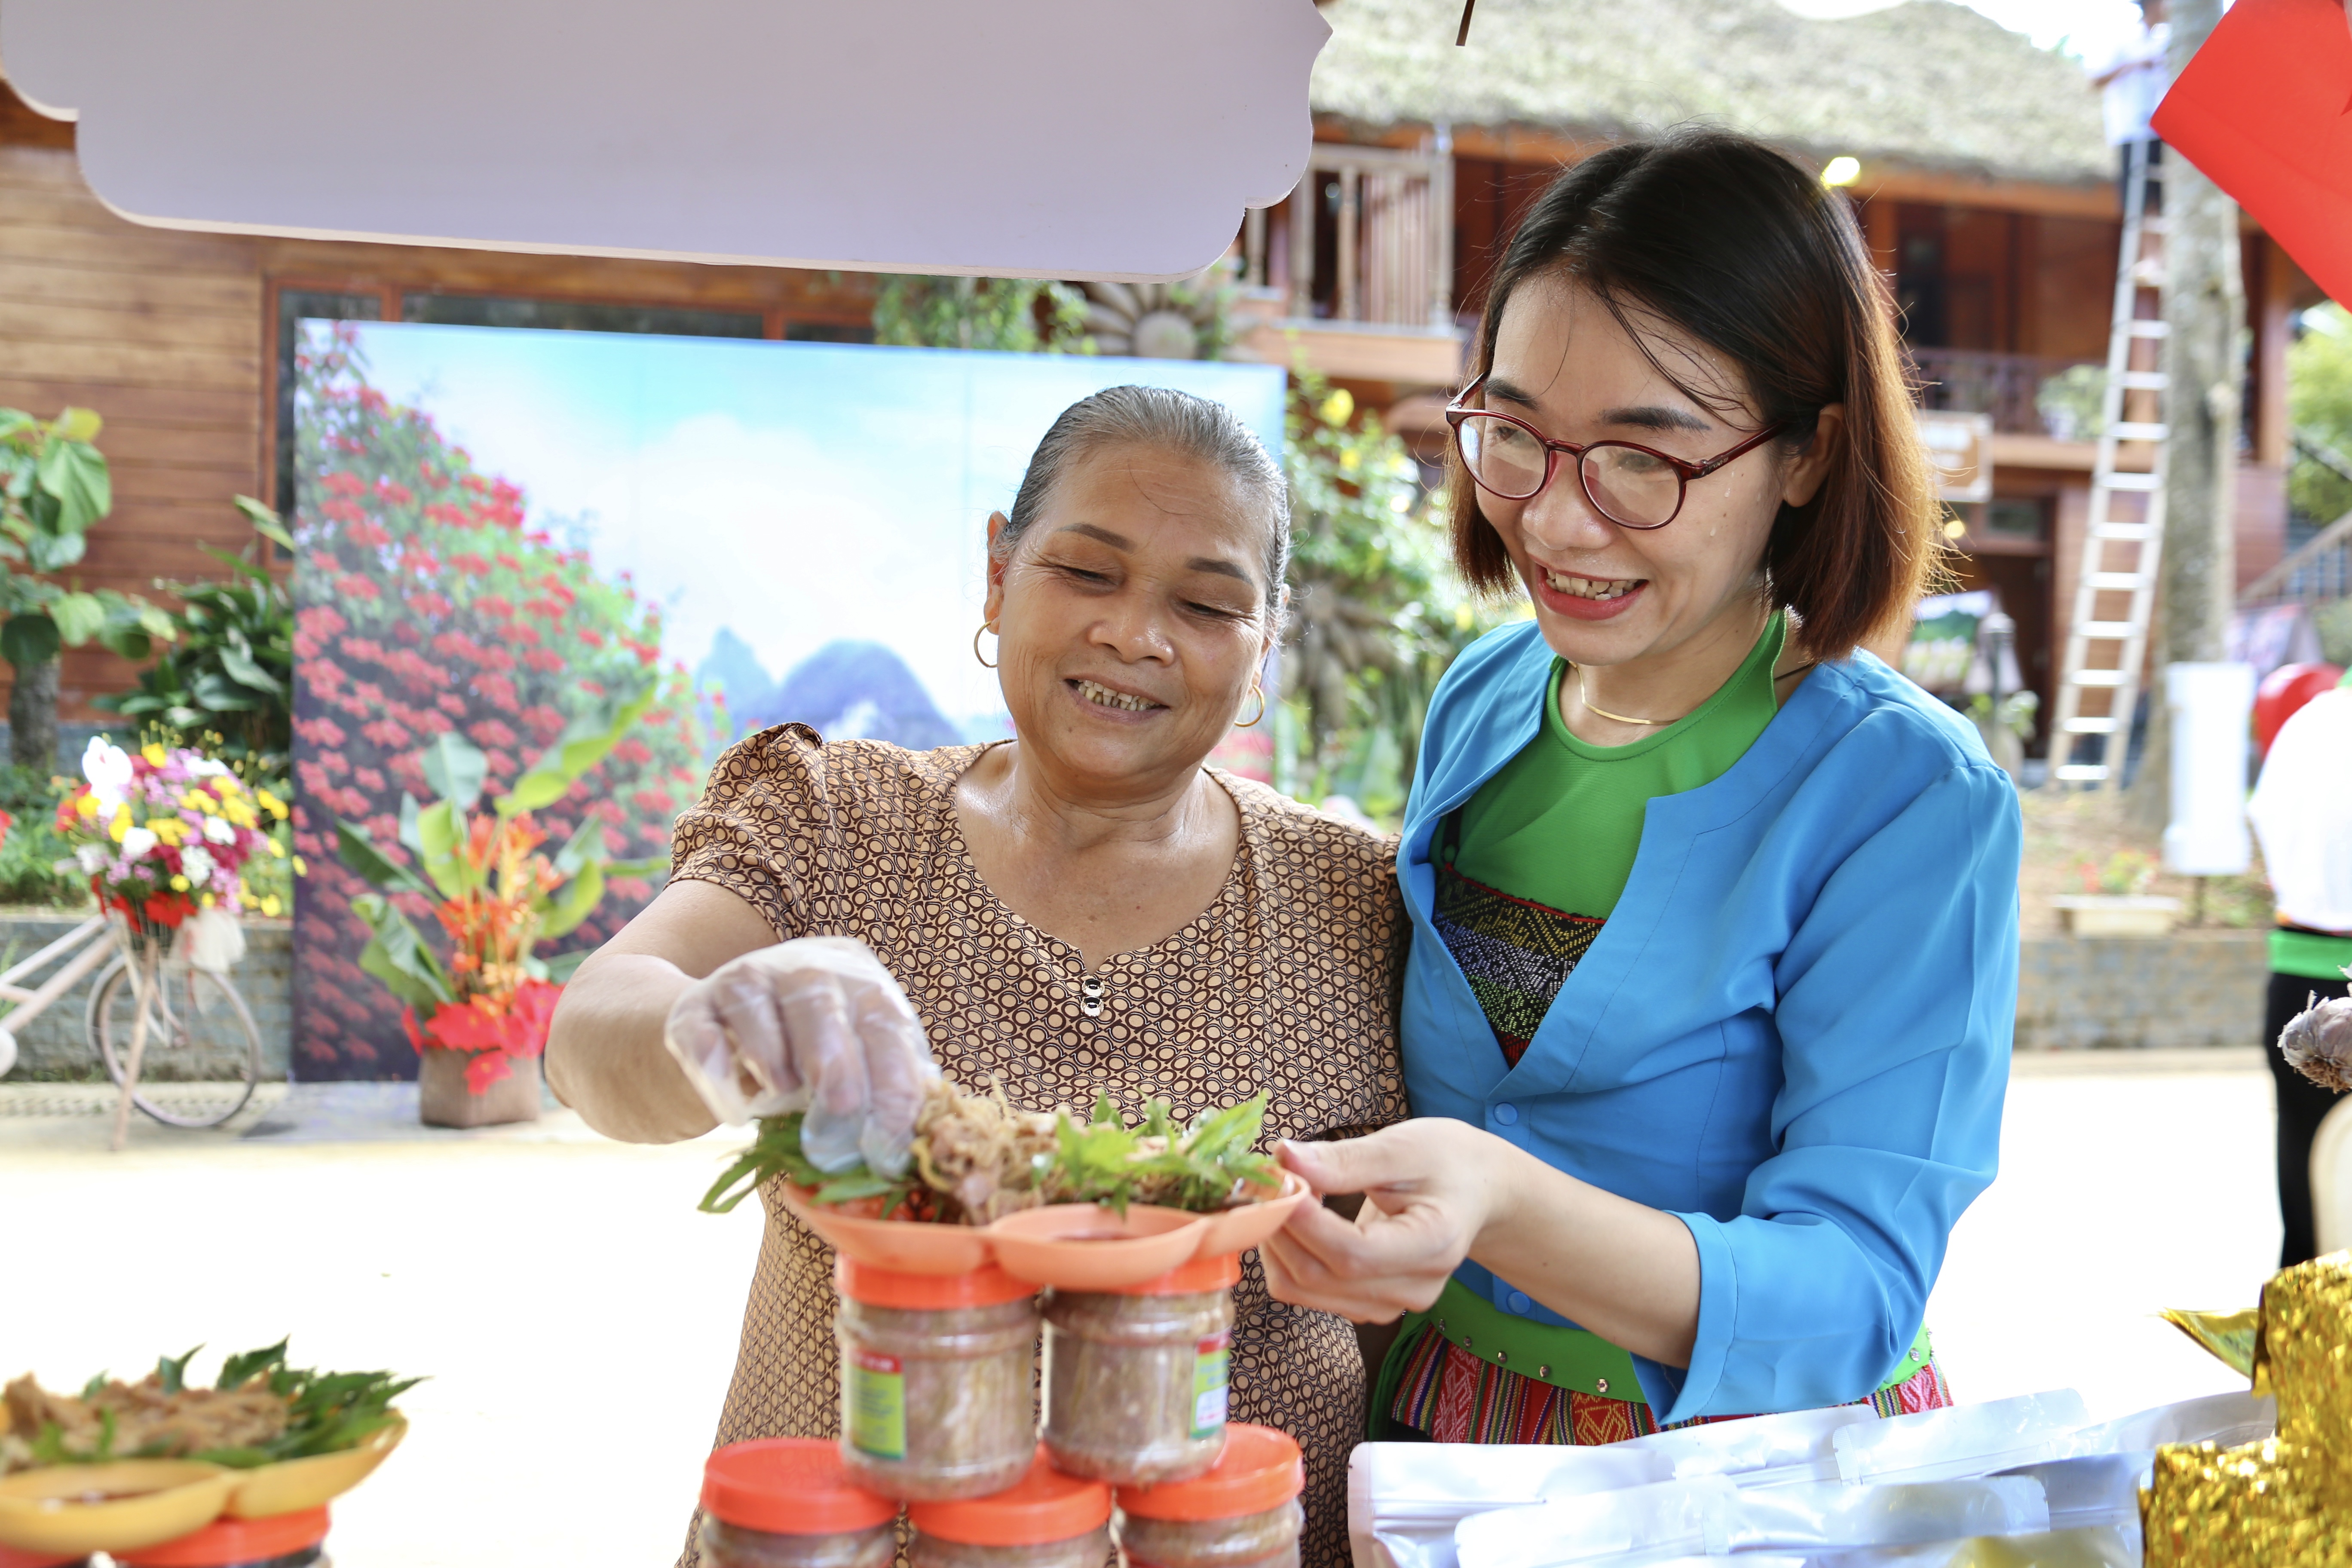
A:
x: 209, y: 1037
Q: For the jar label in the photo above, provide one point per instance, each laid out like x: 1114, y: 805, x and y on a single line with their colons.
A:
x: 1212, y: 1361
x: 877, y: 1405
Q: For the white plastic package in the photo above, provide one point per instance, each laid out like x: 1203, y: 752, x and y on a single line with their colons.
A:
x: 1961, y: 1441
x: 2227, y: 1419
x: 1404, y: 1499
x: 815, y: 1024
x: 1710, y: 1516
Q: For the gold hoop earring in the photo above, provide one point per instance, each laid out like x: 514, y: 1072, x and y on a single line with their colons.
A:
x: 1258, y: 691
x: 985, y: 626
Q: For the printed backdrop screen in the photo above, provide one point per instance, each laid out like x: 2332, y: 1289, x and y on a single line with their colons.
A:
x: 496, y: 526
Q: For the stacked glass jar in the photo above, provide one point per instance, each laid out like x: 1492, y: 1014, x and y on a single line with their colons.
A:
x: 939, y: 1411
x: 1243, y: 1512
x: 280, y: 1540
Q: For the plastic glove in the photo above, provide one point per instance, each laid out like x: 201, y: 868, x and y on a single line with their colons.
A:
x: 816, y: 1025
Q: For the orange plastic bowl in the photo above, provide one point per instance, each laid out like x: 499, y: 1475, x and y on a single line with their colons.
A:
x: 1087, y: 1246
x: 907, y: 1247
x: 1238, y: 1230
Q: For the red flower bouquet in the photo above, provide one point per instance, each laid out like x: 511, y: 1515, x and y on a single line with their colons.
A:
x: 493, y: 894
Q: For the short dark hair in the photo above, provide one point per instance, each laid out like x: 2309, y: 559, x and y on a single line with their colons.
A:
x: 1180, y: 421
x: 1751, y: 254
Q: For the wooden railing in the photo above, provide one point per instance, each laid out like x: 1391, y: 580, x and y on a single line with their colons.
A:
x: 2007, y: 386
x: 1393, y: 264
x: 2316, y: 572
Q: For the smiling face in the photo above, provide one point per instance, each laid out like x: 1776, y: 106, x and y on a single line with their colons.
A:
x: 1131, y: 616
x: 1609, y: 595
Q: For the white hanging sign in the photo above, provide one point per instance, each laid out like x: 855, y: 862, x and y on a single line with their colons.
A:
x: 1079, y: 138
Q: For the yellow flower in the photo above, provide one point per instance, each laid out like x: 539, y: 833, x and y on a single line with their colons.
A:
x: 277, y: 849
x: 120, y: 825
x: 1337, y: 409
x: 208, y: 901
x: 155, y: 754
x: 224, y: 784
x: 299, y: 868
x: 86, y: 806
x: 269, y: 906
x: 276, y: 806
x: 170, y: 829
x: 179, y: 884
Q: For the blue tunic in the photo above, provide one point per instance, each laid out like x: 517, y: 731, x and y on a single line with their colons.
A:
x: 1793, y: 1033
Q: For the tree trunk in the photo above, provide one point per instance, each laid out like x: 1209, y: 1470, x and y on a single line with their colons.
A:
x: 2205, y: 304
x: 33, y: 717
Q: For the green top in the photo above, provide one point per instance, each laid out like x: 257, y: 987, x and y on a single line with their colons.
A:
x: 2308, y: 955
x: 1559, y: 826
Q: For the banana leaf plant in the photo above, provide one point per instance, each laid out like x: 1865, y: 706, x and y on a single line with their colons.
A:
x: 54, y: 486
x: 232, y: 670
x: 495, y: 896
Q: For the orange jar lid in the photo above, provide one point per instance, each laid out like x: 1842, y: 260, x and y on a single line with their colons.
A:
x: 1259, y: 1470
x: 1043, y: 1506
x: 790, y: 1486
x: 984, y: 1287
x: 230, y: 1541
x: 1199, y: 1276
x: 12, y: 1558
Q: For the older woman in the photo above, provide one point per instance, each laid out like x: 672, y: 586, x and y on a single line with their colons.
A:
x: 1714, y: 966
x: 1084, y: 908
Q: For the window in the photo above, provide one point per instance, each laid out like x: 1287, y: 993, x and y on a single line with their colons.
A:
x: 569, y: 316
x: 296, y: 302
x: 293, y: 304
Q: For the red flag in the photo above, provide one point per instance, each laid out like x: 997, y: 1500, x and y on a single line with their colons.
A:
x: 2265, y: 110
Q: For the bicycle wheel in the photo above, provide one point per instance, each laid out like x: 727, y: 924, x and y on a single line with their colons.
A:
x: 203, y: 1055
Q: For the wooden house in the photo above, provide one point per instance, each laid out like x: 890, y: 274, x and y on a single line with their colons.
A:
x: 1984, y: 188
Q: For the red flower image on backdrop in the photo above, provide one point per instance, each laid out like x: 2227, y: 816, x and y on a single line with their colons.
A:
x: 423, y: 605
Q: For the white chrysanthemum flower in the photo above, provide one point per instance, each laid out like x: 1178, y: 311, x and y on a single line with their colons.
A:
x: 137, y: 842
x: 205, y: 768
x: 220, y: 830
x: 92, y: 859
x: 106, y: 766
x: 196, y: 864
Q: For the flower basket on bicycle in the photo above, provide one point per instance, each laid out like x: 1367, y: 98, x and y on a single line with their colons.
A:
x: 165, y: 835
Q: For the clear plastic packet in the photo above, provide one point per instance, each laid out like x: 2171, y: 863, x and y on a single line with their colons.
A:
x: 1962, y: 1440
x: 2228, y: 1420
x: 1710, y: 1516
x: 1404, y: 1499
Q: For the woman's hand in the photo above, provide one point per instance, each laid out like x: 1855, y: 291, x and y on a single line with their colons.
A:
x: 1437, y: 1191
x: 1431, y: 1187
x: 815, y: 1023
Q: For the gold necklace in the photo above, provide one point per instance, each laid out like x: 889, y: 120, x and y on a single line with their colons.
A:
x: 1593, y: 707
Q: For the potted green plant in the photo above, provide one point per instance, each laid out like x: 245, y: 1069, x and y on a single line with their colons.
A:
x: 479, y: 1020
x: 2115, y: 900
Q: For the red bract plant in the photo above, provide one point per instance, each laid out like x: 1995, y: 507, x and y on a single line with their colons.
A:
x: 424, y: 606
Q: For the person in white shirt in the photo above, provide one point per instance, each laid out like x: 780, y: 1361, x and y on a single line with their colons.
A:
x: 2302, y: 811
x: 2132, y: 78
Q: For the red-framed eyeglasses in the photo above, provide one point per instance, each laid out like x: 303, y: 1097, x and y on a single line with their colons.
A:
x: 1631, y: 486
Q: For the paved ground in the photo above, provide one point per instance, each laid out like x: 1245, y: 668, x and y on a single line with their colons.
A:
x: 579, y: 1318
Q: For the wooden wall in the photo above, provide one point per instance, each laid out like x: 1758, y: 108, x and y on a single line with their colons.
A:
x: 170, y: 336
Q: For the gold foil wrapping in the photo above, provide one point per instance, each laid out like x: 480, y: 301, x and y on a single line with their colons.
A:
x: 2273, y: 1504
x: 2285, y: 1502
x: 2305, y: 1353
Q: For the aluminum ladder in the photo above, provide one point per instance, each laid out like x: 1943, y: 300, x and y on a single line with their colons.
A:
x: 2092, y: 639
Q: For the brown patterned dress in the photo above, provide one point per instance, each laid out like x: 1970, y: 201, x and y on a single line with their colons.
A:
x: 1286, y: 983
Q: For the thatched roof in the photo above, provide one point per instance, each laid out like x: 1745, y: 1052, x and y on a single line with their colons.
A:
x: 1926, y: 83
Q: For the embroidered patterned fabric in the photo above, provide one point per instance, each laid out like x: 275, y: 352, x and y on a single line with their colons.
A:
x: 1516, y: 954
x: 1286, y: 983
x: 1450, y: 1395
